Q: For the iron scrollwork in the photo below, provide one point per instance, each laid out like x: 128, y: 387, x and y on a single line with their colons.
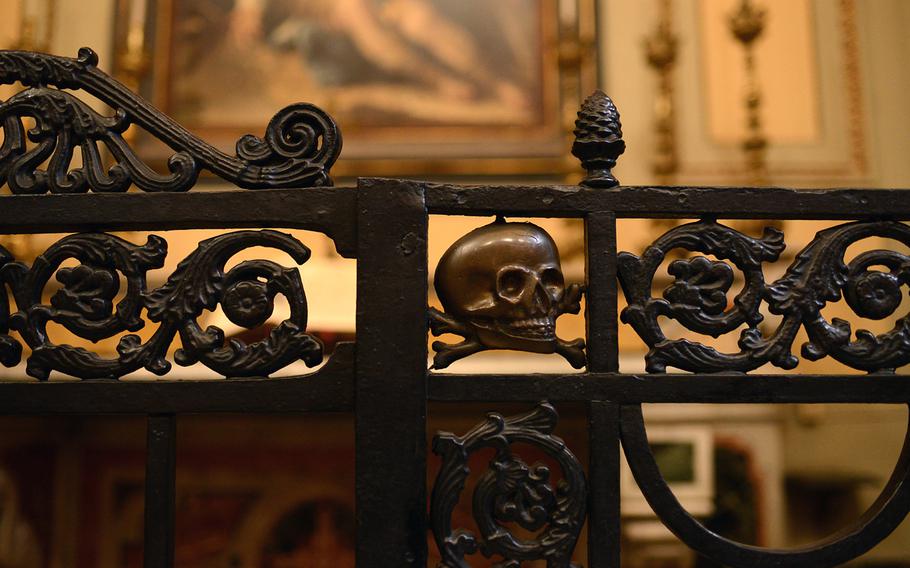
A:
x: 819, y: 275
x: 299, y: 147
x: 84, y: 305
x: 509, y: 492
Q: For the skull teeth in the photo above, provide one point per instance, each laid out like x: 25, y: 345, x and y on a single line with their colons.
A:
x: 537, y: 327
x: 532, y: 322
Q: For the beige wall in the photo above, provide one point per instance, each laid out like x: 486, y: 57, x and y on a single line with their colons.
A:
x: 855, y: 51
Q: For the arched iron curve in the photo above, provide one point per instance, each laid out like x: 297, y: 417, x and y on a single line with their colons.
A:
x: 880, y: 520
x: 300, y: 145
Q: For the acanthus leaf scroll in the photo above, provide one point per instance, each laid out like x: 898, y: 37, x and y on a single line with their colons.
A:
x: 509, y: 492
x: 300, y: 145
x: 819, y: 275
x: 83, y: 304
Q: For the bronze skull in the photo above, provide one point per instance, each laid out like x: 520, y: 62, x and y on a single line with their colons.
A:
x: 502, y: 287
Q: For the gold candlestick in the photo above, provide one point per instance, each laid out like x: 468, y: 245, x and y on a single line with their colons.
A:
x: 576, y: 47
x: 132, y: 60
x: 36, y: 26
x: 747, y: 24
x: 660, y: 53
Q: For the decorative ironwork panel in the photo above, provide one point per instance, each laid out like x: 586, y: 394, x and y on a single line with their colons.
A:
x: 697, y: 298
x: 84, y: 305
x: 510, y: 492
x: 501, y: 287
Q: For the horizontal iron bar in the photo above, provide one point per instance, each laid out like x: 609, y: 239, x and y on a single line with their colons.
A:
x: 330, y: 389
x: 298, y: 394
x: 328, y: 210
x: 676, y: 388
x: 668, y: 202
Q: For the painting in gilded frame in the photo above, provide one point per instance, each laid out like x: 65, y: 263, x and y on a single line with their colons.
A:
x: 417, y: 86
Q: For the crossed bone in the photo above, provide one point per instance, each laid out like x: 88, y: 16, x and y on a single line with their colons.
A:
x: 448, y: 353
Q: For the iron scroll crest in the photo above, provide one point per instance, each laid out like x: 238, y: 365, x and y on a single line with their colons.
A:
x: 300, y: 145
x: 509, y: 492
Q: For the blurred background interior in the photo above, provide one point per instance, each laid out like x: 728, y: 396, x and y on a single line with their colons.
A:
x: 802, y: 93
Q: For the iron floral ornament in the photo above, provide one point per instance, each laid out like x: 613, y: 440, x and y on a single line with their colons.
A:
x: 86, y: 305
x: 820, y: 274
x: 510, y: 493
x: 502, y: 287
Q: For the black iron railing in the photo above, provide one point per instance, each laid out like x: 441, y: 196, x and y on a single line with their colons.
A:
x: 495, y: 296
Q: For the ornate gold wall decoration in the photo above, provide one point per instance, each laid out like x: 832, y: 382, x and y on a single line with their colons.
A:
x: 132, y: 61
x: 747, y: 24
x: 850, y: 44
x: 814, y: 116
x: 36, y: 25
x: 660, y: 53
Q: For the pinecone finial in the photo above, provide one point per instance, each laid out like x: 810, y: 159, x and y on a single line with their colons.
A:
x: 598, y: 140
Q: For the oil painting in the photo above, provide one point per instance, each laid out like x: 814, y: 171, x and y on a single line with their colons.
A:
x: 404, y: 78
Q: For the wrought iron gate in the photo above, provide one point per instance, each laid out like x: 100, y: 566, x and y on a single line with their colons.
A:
x: 383, y: 378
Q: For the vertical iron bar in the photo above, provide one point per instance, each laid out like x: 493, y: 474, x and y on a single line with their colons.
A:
x: 603, y: 417
x: 602, y: 291
x: 160, y: 490
x: 391, y: 367
x: 604, y: 492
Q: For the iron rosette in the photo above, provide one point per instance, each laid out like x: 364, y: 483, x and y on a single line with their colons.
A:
x: 871, y: 283
x: 698, y: 300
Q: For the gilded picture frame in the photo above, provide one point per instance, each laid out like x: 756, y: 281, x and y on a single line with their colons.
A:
x: 419, y: 87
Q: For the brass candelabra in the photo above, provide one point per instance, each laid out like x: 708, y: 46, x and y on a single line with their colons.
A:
x: 576, y: 46
x: 36, y: 25
x: 747, y: 23
x: 660, y: 53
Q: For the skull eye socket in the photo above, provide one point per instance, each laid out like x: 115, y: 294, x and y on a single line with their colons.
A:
x: 552, y: 280
x: 511, y: 283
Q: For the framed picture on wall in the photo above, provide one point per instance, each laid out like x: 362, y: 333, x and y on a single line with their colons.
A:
x: 417, y: 86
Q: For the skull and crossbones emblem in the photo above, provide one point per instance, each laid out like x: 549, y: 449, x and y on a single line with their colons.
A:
x: 501, y: 287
